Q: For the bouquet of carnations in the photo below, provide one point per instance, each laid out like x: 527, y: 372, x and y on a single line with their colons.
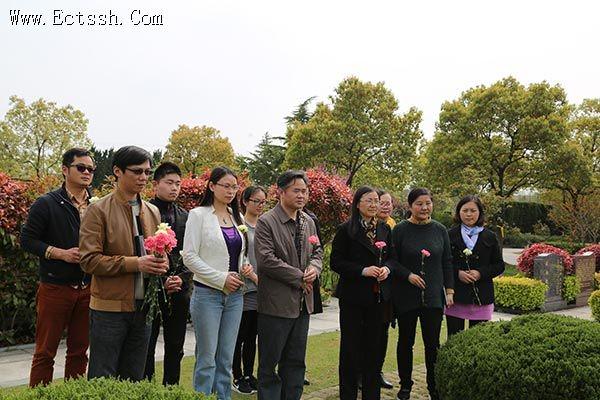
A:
x: 161, y: 244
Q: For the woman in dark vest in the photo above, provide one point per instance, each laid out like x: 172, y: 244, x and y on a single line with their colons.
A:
x: 477, y: 258
x: 360, y: 254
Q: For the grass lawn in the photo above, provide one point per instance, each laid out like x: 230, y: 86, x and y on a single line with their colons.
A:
x: 321, y: 361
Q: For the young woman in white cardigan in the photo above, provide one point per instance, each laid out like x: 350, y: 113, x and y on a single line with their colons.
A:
x: 213, y: 249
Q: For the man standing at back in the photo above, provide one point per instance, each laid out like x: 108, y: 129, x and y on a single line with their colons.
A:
x: 288, y: 264
x: 111, y: 245
x: 63, y: 296
x: 174, y: 312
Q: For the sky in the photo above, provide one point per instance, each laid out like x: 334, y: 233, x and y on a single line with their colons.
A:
x: 242, y: 66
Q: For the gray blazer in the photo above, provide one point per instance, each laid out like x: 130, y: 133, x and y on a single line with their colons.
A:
x: 280, y: 273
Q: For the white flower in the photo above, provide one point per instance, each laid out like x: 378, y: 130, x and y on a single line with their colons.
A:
x: 94, y: 199
x: 467, y: 252
x: 163, y: 227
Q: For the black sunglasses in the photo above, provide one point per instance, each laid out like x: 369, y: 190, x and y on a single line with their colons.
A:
x: 139, y: 171
x: 82, y: 168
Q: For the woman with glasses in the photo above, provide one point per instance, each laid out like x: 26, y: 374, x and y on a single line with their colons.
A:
x: 477, y: 258
x: 360, y: 254
x: 214, y: 249
x: 253, y: 202
x: 422, y: 286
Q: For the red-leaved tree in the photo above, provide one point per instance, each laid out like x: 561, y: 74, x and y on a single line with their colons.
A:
x: 527, y: 257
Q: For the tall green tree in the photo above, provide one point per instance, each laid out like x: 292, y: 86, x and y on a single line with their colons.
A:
x: 197, y: 148
x: 360, y: 131
x: 103, y: 160
x: 34, y: 137
x: 265, y: 164
x: 499, y: 138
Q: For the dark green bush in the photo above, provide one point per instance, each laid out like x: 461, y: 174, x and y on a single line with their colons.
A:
x: 106, y: 389
x: 533, y: 357
x: 569, y: 247
x: 520, y: 240
x: 525, y: 215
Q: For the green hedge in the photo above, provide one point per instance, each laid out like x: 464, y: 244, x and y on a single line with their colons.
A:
x: 519, y: 293
x: 533, y: 357
x: 106, y: 389
x: 569, y: 247
x: 524, y: 215
x: 594, y: 302
x: 571, y: 288
x: 597, y: 280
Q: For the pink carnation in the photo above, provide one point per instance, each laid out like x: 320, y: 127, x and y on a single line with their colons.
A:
x: 314, y: 240
x: 425, y: 253
x: 380, y: 245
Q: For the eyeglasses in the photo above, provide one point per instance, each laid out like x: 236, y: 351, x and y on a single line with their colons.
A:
x: 82, y: 168
x: 229, y: 187
x: 371, y: 201
x: 139, y: 171
x: 259, y: 202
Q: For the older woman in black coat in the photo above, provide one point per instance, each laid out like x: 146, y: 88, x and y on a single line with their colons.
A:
x: 360, y: 255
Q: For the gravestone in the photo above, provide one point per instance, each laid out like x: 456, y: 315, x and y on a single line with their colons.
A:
x: 585, y: 266
x: 547, y: 267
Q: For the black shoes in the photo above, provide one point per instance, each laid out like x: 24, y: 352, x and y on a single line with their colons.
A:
x: 243, y: 386
x: 253, y: 382
x: 403, y: 394
x: 383, y: 383
x: 306, y: 382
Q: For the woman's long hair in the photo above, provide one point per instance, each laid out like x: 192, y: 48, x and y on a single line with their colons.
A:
x: 209, y: 197
x: 354, y: 224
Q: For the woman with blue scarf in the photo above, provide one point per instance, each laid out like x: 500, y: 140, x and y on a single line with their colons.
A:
x: 477, y: 258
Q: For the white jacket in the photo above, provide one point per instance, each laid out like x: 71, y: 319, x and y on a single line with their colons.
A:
x: 204, y: 249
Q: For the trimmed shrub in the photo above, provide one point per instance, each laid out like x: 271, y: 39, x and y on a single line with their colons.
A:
x: 594, y: 248
x: 526, y: 215
x: 106, y: 389
x: 594, y: 302
x: 569, y: 247
x: 597, y: 280
x: 525, y: 260
x: 519, y: 240
x: 519, y: 293
x: 533, y: 357
x: 571, y: 288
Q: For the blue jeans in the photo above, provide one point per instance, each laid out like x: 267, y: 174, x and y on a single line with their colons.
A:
x: 216, y: 317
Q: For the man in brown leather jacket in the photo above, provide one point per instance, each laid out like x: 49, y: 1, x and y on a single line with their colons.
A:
x: 112, y: 251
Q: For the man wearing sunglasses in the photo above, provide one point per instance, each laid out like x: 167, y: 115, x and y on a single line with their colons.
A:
x: 52, y: 233
x: 111, y: 241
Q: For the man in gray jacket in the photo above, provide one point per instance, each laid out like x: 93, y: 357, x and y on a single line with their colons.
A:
x: 288, y: 263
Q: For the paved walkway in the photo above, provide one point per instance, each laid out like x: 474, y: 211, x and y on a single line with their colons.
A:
x: 16, y: 362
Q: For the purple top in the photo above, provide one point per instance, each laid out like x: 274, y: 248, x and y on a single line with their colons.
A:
x: 233, y: 240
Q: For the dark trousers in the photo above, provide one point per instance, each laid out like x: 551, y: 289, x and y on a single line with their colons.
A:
x: 245, y: 347
x: 360, y: 328
x: 456, y: 325
x: 118, y: 344
x: 174, y: 322
x: 60, y: 307
x: 383, y: 344
x: 431, y: 324
x: 281, y: 345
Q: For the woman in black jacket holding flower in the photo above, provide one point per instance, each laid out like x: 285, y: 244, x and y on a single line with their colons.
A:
x: 423, y: 284
x: 360, y: 255
x: 477, y: 258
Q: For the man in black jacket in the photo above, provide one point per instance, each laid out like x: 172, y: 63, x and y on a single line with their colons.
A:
x: 52, y: 233
x: 167, y: 183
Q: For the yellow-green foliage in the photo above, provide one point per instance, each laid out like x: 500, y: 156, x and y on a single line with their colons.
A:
x: 571, y: 288
x: 519, y: 293
x: 594, y: 303
x: 597, y: 280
